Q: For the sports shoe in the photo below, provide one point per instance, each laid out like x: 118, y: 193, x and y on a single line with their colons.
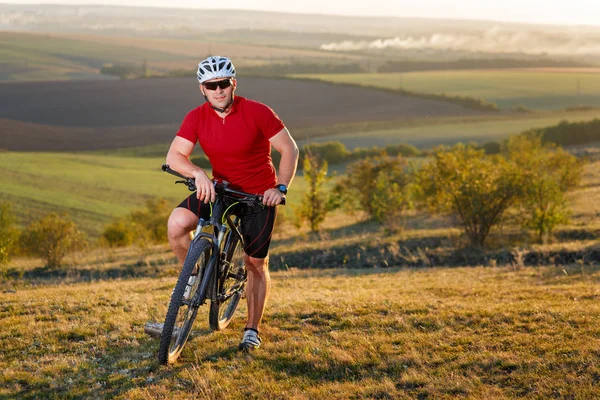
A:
x: 250, y: 341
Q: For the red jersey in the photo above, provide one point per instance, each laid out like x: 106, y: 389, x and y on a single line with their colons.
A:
x: 238, y: 145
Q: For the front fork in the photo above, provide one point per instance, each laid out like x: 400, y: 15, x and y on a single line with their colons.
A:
x: 208, y: 286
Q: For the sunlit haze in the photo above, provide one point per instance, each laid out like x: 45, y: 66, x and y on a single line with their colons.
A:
x: 574, y: 12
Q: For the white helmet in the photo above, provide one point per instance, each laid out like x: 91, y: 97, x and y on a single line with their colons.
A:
x: 215, y: 67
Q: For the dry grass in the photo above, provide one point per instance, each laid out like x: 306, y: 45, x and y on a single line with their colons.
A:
x: 476, y: 332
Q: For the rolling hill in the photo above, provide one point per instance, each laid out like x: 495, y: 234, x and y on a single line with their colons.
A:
x: 93, y: 115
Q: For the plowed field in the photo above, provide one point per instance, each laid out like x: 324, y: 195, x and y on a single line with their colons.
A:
x: 90, y: 115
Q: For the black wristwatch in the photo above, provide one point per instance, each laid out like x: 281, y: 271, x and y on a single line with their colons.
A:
x: 282, y: 188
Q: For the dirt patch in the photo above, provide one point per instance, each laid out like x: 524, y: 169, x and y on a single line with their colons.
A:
x: 93, y: 115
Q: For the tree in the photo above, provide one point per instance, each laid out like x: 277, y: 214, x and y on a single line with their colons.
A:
x: 390, y: 200
x: 359, y: 188
x: 549, y: 173
x: 119, y: 233
x: 53, y: 237
x: 478, y: 190
x: 8, y: 233
x: 150, y: 223
x: 314, y: 206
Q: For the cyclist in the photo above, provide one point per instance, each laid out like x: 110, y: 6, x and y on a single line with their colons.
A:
x: 236, y: 134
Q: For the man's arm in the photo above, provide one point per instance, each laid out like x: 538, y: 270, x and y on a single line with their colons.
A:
x: 286, y: 146
x: 178, y: 160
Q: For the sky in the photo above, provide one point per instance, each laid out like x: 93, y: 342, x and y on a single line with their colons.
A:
x: 570, y: 12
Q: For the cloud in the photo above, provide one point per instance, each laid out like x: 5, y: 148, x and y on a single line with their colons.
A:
x: 493, y: 40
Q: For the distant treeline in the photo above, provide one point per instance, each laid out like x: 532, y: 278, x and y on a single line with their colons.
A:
x: 564, y: 134
x: 409, y: 66
x: 285, y: 69
x: 126, y: 71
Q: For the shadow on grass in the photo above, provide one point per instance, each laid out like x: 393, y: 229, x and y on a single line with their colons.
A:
x: 429, y: 251
x: 107, y: 373
x: 139, y: 269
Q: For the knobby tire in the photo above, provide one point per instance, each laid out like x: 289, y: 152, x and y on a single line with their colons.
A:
x: 172, y: 340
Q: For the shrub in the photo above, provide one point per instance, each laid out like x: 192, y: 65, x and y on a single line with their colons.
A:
x: 357, y: 190
x: 568, y: 133
x: 119, y: 233
x: 405, y: 150
x: 389, y: 201
x: 53, y: 237
x: 478, y: 190
x: 8, y: 233
x: 333, y: 152
x: 549, y: 173
x: 493, y: 147
x: 150, y: 223
x: 314, y: 206
x: 141, y: 226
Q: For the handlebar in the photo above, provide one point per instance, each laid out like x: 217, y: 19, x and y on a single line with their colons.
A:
x: 191, y: 185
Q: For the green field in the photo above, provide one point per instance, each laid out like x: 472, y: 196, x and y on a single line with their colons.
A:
x: 92, y: 189
x: 543, y: 89
x: 96, y: 188
x: 426, y: 133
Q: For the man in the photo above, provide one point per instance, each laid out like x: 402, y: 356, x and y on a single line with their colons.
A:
x: 236, y: 134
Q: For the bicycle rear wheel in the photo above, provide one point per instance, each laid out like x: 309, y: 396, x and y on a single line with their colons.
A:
x: 230, y: 285
x: 182, y: 313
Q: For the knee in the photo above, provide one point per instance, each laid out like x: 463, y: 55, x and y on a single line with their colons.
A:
x: 180, y: 223
x: 257, y: 265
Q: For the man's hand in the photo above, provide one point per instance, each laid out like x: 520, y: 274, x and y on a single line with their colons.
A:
x: 205, y: 188
x: 272, y: 197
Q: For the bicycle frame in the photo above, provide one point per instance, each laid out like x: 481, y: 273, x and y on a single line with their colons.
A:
x: 209, y: 277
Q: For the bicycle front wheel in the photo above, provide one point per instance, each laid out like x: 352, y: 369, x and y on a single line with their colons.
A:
x: 230, y: 286
x: 182, y: 313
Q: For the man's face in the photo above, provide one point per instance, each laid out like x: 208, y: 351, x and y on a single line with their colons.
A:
x: 219, y: 91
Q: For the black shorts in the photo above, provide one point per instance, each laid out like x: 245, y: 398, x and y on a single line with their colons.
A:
x: 256, y: 223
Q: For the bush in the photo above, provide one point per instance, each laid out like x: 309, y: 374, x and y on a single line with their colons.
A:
x: 53, y: 237
x: 333, y: 152
x: 478, y: 190
x: 141, y: 226
x: 405, y: 150
x: 119, y: 233
x: 314, y: 206
x: 359, y: 188
x: 568, y: 133
x: 549, y: 173
x: 493, y: 147
x: 8, y: 233
x: 150, y: 223
x: 389, y: 201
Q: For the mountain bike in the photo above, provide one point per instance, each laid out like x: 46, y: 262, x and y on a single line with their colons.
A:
x: 213, y: 270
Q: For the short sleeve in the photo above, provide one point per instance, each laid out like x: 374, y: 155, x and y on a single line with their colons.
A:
x: 189, y: 127
x: 269, y: 122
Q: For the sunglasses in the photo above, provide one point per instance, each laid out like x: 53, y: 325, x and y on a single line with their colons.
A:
x: 224, y: 84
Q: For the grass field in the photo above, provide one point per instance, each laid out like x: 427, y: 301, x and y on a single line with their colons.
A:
x: 477, y: 332
x: 544, y: 89
x: 92, y: 189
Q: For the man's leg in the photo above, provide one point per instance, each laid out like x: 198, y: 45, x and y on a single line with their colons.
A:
x: 181, y: 222
x: 257, y: 289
